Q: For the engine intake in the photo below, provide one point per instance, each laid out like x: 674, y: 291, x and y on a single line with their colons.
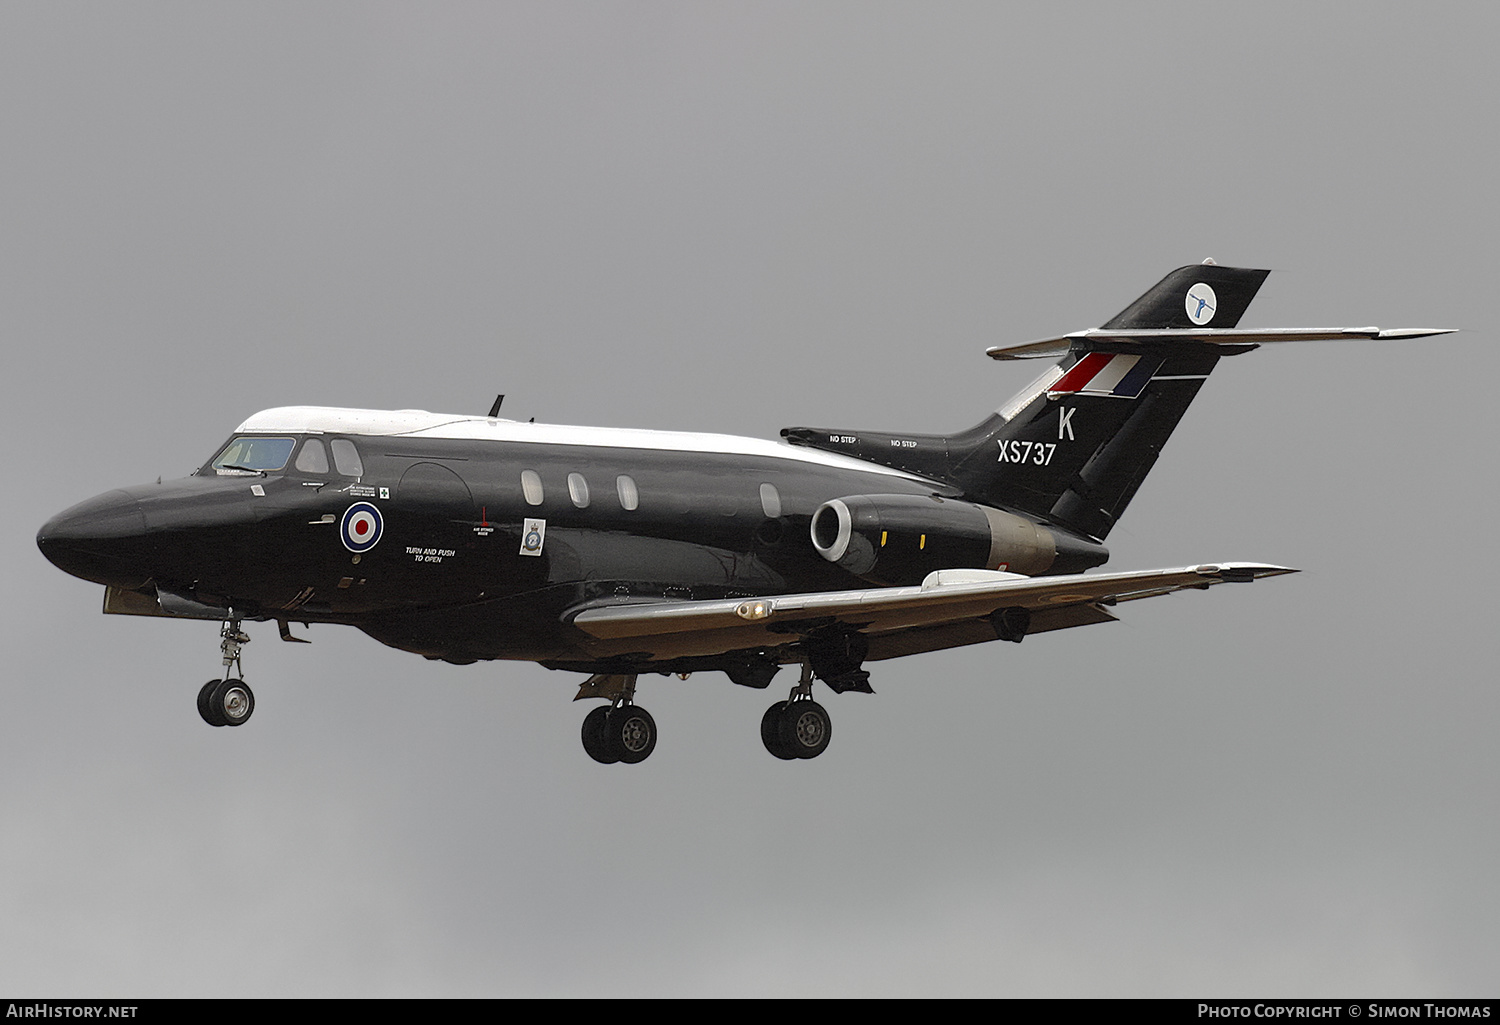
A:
x: 899, y: 539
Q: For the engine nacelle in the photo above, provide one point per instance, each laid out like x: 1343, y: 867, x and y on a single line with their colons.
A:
x: 899, y: 539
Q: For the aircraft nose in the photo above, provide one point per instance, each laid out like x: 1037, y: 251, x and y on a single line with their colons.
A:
x: 102, y: 539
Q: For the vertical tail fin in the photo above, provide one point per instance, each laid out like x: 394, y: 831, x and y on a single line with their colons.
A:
x: 1074, y: 446
x: 1198, y: 295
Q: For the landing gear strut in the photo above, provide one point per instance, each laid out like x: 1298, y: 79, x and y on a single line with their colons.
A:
x: 798, y: 727
x: 621, y: 731
x: 230, y: 701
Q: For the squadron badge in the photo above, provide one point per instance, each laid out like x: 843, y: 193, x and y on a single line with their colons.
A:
x: 533, y: 533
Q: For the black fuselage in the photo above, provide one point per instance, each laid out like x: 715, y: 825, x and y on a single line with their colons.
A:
x: 447, y: 576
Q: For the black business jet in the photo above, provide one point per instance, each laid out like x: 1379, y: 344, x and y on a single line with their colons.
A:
x: 617, y: 553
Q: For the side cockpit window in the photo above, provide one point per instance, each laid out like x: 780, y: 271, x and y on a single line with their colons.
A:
x: 254, y: 455
x: 313, y: 458
x: 346, y: 458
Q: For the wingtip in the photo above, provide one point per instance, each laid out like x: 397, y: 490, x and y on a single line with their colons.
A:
x: 1238, y: 572
x: 1041, y: 349
x: 1416, y: 332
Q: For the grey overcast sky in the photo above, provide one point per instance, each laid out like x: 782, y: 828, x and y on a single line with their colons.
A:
x: 735, y: 217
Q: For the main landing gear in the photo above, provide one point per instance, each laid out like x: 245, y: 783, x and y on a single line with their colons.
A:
x: 621, y: 731
x: 230, y: 701
x: 798, y: 727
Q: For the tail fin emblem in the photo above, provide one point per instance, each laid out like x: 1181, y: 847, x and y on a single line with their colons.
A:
x: 1201, y: 303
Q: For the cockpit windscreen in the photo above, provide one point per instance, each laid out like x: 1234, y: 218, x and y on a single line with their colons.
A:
x: 254, y: 455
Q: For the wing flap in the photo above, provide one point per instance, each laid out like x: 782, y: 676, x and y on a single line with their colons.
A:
x: 897, y: 643
x: 946, y: 597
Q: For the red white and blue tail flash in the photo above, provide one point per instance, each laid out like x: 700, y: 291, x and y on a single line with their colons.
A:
x: 1116, y: 375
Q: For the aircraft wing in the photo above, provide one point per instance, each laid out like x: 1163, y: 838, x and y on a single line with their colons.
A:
x: 949, y: 608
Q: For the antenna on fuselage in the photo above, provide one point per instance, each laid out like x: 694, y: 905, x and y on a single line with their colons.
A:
x: 495, y: 409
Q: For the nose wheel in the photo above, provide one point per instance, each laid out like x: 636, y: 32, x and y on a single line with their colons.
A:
x: 226, y: 702
x: 230, y: 701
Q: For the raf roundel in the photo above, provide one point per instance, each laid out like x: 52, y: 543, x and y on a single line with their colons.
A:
x: 361, y: 527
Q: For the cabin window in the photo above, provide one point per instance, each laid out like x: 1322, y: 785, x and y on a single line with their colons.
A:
x: 346, y: 458
x: 254, y: 455
x: 770, y: 501
x: 578, y: 490
x: 313, y: 458
x: 625, y: 488
x: 531, y: 487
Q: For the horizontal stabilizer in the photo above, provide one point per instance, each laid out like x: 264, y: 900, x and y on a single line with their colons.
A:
x: 1101, y: 338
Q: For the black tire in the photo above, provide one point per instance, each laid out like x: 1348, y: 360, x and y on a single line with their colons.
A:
x: 805, y: 729
x: 631, y: 733
x: 594, y: 741
x: 770, y: 731
x: 205, y: 703
x: 233, y: 702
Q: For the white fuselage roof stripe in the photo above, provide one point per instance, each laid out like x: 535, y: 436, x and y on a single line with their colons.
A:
x: 417, y: 423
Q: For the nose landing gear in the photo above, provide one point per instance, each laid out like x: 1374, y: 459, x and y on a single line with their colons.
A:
x: 230, y: 701
x: 226, y: 702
